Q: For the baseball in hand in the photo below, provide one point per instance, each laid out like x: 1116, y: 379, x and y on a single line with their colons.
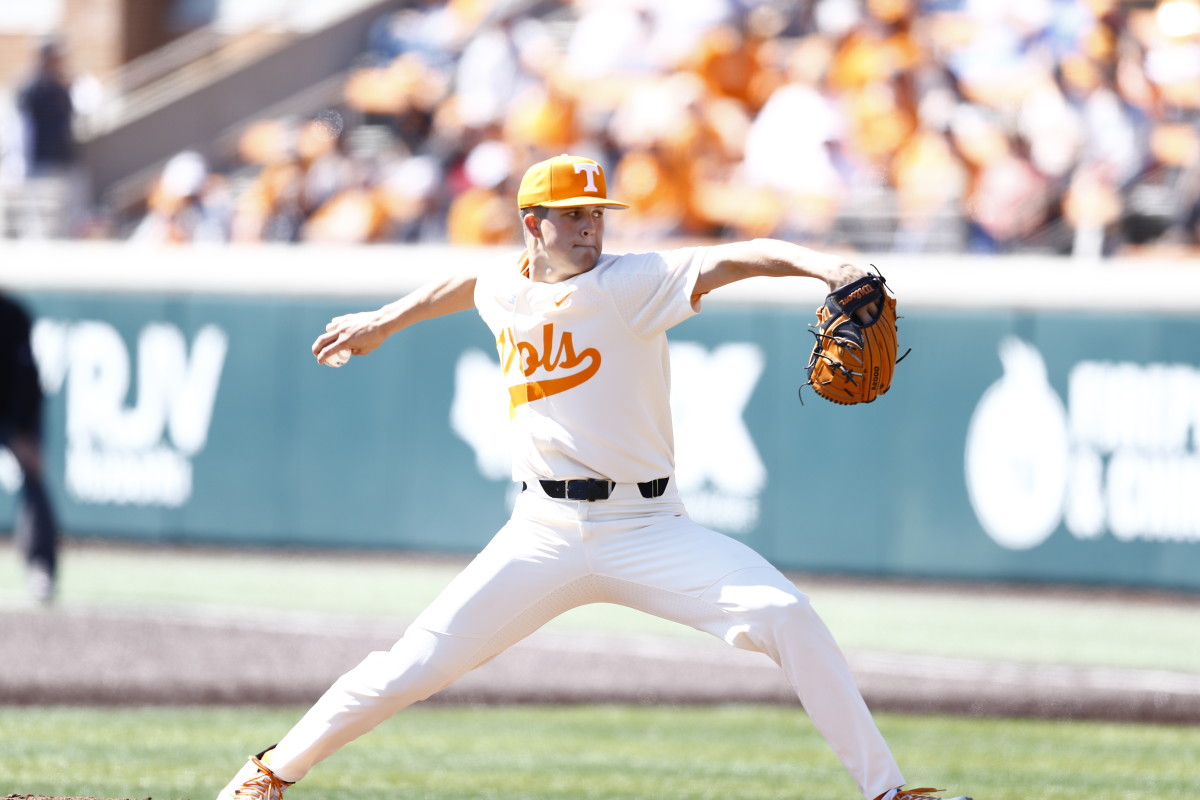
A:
x: 339, y: 358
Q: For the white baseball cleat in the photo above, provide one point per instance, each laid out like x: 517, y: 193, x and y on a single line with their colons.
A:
x: 916, y: 794
x: 41, y: 585
x: 254, y: 781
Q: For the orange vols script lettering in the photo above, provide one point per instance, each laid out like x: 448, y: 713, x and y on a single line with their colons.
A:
x: 548, y: 358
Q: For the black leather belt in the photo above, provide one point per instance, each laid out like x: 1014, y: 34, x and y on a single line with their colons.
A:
x: 592, y: 489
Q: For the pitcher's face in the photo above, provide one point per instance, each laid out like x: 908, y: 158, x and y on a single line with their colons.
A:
x: 572, y: 238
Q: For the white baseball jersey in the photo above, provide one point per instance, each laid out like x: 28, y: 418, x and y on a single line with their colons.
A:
x: 586, y: 364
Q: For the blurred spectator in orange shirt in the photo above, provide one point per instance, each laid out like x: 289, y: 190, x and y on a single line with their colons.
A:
x: 484, y: 213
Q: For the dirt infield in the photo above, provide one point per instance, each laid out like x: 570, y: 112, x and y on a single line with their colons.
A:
x: 149, y: 657
x: 43, y: 797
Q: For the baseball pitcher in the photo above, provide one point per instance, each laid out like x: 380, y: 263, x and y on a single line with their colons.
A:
x: 581, y: 337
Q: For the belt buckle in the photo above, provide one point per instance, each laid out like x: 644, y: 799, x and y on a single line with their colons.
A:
x: 588, y: 489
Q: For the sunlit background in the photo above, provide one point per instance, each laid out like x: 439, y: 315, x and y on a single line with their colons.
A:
x: 1046, y: 126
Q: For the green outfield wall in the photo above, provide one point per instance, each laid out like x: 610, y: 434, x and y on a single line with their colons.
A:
x: 1036, y: 432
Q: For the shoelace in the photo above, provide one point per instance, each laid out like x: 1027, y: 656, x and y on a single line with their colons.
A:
x: 264, y: 786
x: 916, y: 794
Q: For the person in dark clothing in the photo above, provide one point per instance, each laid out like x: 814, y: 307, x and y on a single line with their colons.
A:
x: 54, y: 194
x: 45, y: 103
x: 21, y: 432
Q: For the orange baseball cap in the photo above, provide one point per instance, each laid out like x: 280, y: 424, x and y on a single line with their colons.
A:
x: 565, y: 181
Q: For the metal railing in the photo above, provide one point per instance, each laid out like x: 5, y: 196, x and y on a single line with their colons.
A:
x: 164, y: 77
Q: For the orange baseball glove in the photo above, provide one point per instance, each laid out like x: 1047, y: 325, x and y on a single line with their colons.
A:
x: 854, y: 356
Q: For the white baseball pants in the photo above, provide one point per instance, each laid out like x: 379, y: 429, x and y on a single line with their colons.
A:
x: 555, y: 555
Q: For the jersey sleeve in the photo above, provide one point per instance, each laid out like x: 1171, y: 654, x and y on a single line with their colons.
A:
x: 653, y: 291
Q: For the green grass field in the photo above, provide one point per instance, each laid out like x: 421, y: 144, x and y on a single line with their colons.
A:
x: 603, y: 752
x: 608, y: 752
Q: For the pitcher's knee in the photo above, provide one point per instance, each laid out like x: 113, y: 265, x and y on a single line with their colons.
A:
x: 779, y: 608
x: 762, y: 595
x: 766, y: 616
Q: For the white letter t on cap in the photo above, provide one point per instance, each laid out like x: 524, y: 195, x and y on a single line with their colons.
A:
x: 591, y: 170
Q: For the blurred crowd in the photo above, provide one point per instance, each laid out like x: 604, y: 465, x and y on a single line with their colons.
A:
x: 1063, y: 126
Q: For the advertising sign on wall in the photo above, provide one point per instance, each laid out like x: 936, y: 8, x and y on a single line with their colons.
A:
x: 1016, y: 444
